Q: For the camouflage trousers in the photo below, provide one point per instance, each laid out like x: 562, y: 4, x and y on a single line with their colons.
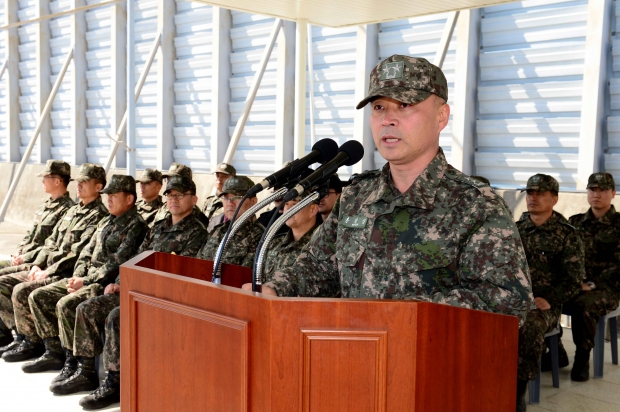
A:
x: 90, y: 319
x: 5, y: 264
x: 532, y: 340
x: 585, y: 310
x: 9, y: 270
x: 53, y: 309
x: 112, y: 347
x: 14, y: 291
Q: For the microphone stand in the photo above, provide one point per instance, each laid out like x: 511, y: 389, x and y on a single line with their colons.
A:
x: 235, y: 225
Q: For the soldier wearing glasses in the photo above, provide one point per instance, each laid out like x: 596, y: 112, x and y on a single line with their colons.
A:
x: 242, y: 247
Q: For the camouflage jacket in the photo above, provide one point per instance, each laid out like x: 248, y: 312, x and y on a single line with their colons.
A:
x: 447, y: 239
x: 241, y: 248
x: 116, y: 240
x: 69, y: 237
x: 213, y: 206
x: 601, y: 241
x: 555, y: 257
x: 148, y: 210
x: 163, y: 213
x: 184, y: 239
x: 45, y: 218
x: 283, y: 252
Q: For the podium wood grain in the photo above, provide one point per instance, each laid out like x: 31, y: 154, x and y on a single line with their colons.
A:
x: 190, y: 345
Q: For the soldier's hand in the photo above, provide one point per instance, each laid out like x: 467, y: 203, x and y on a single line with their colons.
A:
x: 111, y: 289
x: 17, y: 259
x: 542, y: 304
x: 586, y: 287
x: 33, y: 270
x: 264, y: 289
x: 75, y: 284
x: 40, y: 275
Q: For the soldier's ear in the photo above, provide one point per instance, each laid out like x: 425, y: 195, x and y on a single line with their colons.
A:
x: 194, y: 200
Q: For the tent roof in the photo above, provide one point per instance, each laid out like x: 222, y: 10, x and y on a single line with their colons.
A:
x: 341, y: 13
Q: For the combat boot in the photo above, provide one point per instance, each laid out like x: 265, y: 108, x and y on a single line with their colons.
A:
x: 24, y: 351
x: 84, y: 379
x: 13, y: 344
x: 521, y: 388
x: 6, y: 337
x: 105, y: 395
x: 581, y: 367
x: 545, y: 362
x: 52, y: 360
x: 70, y: 367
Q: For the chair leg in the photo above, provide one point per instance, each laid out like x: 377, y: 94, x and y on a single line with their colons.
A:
x: 613, y: 331
x: 599, y: 348
x: 555, y: 360
x: 533, y: 387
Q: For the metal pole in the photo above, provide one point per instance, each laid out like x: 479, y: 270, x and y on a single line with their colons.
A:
x: 234, y: 141
x: 3, y: 68
x: 442, y: 48
x: 35, y: 136
x: 122, y: 127
x: 311, y: 85
x: 131, y: 94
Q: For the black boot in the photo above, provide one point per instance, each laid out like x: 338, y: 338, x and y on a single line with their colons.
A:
x: 13, y: 344
x: 521, y: 388
x: 581, y: 367
x: 70, y: 367
x: 24, y: 351
x: 52, y: 360
x: 545, y: 362
x: 105, y: 395
x: 6, y: 336
x: 84, y: 379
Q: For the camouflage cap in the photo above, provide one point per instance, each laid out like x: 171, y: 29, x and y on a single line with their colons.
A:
x: 406, y: 79
x: 120, y: 183
x: 542, y: 183
x: 91, y: 171
x: 150, y: 175
x: 56, y: 167
x: 238, y: 186
x: 178, y: 169
x: 601, y: 180
x: 181, y: 184
x: 226, y: 168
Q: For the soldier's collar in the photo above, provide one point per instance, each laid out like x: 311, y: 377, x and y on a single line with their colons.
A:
x: 606, y: 219
x: 125, y: 217
x: 51, y: 203
x: 86, y: 208
x: 155, y: 202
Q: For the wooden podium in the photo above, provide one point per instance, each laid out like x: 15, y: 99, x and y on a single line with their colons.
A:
x: 190, y: 345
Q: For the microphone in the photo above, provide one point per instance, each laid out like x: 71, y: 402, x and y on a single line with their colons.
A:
x: 349, y: 153
x: 323, y: 151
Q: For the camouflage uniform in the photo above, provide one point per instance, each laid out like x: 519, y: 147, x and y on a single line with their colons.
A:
x: 117, y: 240
x: 112, y: 347
x: 148, y: 210
x: 556, y: 261
x: 283, y: 252
x: 447, y: 239
x: 184, y: 239
x: 213, y: 206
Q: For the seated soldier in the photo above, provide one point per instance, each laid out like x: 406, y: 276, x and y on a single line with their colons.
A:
x: 327, y: 203
x: 240, y: 251
x: 555, y: 258
x: 56, y: 178
x: 117, y: 239
x: 181, y: 233
x: 53, y: 262
x: 150, y: 186
x: 213, y: 205
x: 285, y: 248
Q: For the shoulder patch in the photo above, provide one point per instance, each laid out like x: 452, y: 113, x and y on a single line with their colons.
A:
x: 455, y: 174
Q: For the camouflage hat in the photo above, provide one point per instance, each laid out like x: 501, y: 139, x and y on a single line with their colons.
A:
x: 406, y: 79
x: 238, y: 186
x: 601, y: 180
x: 150, y: 175
x: 56, y: 167
x: 181, y: 184
x: 226, y: 168
x: 542, y: 183
x: 91, y: 171
x: 178, y: 169
x: 120, y: 183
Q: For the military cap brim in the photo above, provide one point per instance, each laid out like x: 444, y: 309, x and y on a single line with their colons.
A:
x: 402, y: 94
x: 178, y: 188
x: 81, y: 179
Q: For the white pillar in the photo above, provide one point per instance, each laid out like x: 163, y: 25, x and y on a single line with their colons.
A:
x: 11, y: 81
x: 165, y: 84
x: 118, y: 74
x: 300, y: 88
x: 594, y: 89
x: 367, y: 58
x: 44, y: 71
x: 465, y: 88
x: 78, y: 85
x: 285, y: 95
x: 220, y: 86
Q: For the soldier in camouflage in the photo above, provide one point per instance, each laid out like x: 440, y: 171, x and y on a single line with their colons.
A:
x: 240, y: 251
x: 53, y: 307
x: 555, y: 258
x: 326, y: 205
x: 150, y: 186
x: 213, y: 204
x: 418, y: 228
x: 56, y: 177
x: 181, y: 233
x: 52, y: 263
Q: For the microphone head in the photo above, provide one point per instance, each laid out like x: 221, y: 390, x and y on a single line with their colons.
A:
x: 354, y: 149
x: 328, y: 149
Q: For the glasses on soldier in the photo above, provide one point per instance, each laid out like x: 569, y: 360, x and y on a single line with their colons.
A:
x: 178, y: 196
x: 232, y: 199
